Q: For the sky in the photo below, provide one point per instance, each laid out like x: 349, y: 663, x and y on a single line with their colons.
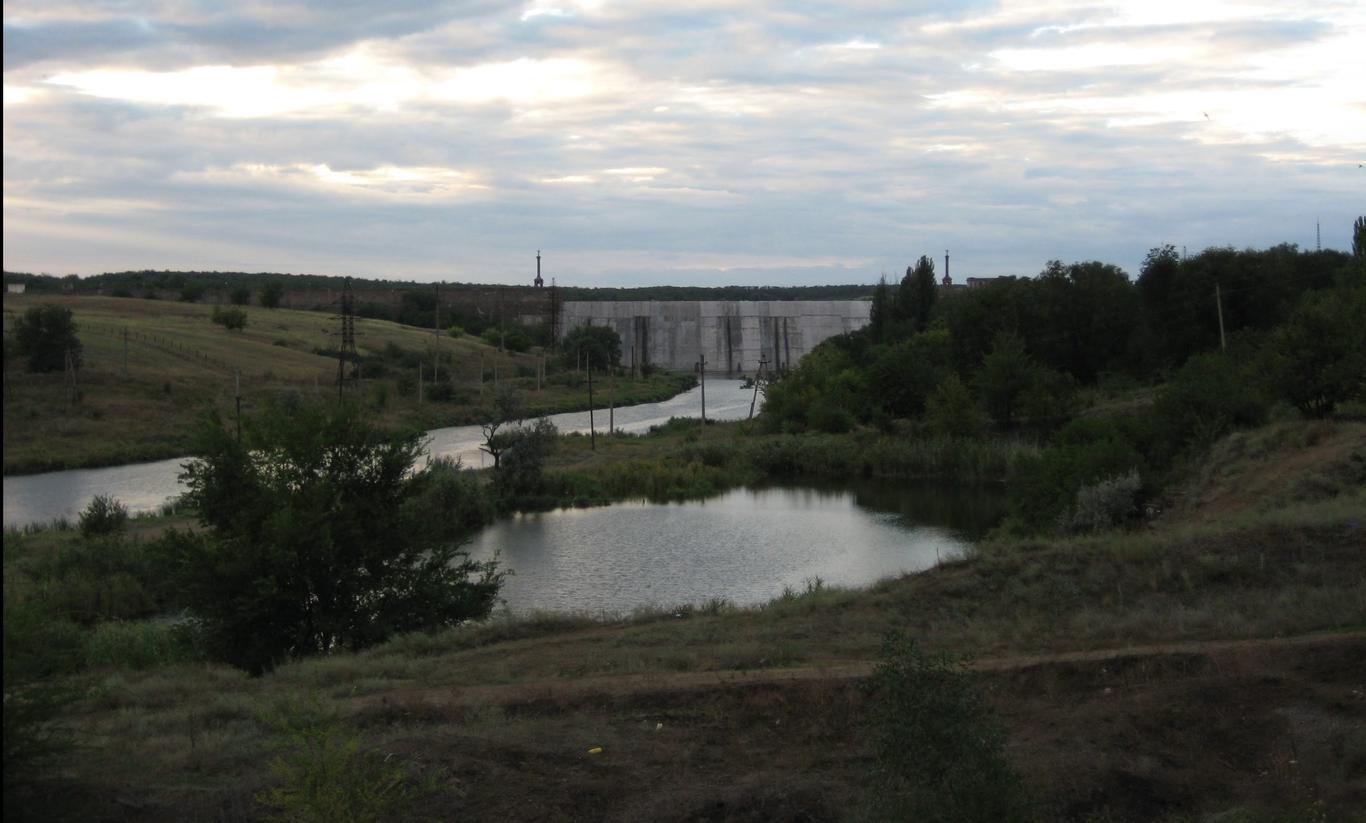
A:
x: 707, y: 142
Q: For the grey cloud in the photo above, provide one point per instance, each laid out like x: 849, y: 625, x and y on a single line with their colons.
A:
x: 846, y: 175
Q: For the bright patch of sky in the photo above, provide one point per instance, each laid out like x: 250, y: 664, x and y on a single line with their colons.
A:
x: 720, y: 141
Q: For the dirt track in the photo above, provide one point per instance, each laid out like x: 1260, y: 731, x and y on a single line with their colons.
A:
x: 833, y: 671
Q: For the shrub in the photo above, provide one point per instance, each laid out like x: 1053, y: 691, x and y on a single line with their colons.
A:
x: 240, y: 296
x: 191, y: 292
x: 233, y: 319
x: 324, y: 777
x: 940, y: 753
x: 1209, y: 397
x: 455, y: 331
x: 1044, y: 486
x: 103, y: 515
x: 1104, y: 505
x: 143, y: 644
x: 516, y: 339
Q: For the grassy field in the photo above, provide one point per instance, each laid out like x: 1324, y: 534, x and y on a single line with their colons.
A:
x: 1206, y: 666
x: 179, y: 364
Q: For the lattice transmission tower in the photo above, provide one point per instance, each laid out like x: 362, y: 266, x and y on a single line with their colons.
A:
x: 346, y: 348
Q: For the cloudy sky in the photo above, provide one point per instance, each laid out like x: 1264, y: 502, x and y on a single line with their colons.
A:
x: 699, y: 142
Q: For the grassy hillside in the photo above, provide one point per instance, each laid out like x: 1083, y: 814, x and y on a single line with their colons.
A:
x: 179, y: 364
x: 1205, y: 666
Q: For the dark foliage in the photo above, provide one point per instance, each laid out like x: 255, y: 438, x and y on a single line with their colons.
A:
x: 46, y: 336
x: 313, y: 542
x: 233, y: 319
x: 599, y: 347
x: 271, y: 294
x: 940, y: 752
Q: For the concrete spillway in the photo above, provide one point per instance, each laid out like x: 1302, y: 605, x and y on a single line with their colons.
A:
x: 733, y: 334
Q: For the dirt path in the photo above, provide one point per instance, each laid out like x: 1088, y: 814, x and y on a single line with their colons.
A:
x: 673, y: 682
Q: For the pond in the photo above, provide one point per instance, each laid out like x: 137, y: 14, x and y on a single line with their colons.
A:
x: 144, y: 487
x: 744, y: 546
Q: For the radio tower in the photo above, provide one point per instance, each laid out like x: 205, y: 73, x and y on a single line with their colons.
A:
x: 347, y: 349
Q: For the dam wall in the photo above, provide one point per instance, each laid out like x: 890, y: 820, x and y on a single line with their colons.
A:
x: 733, y: 335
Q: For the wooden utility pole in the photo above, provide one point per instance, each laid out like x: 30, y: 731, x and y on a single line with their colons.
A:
x: 1219, y: 306
x: 763, y: 361
x: 592, y: 432
x: 702, y: 375
x: 69, y: 377
x: 237, y: 396
x: 612, y: 405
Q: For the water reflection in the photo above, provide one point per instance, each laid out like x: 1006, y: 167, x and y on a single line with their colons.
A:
x: 143, y: 487
x: 744, y: 546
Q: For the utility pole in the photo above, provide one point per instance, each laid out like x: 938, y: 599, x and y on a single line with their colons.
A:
x: 237, y: 395
x: 702, y: 375
x: 612, y: 405
x: 763, y: 361
x: 1219, y: 306
x: 436, y: 334
x: 347, y: 349
x: 419, y: 383
x: 70, y: 368
x: 592, y: 432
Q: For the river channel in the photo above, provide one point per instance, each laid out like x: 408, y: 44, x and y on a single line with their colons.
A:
x: 744, y: 546
x: 143, y: 487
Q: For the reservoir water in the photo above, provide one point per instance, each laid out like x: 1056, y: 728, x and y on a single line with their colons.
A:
x: 142, y: 487
x: 745, y: 546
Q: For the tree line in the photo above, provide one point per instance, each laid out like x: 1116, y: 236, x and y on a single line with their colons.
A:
x: 1207, y: 343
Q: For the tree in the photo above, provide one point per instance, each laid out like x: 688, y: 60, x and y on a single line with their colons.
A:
x: 523, y: 458
x: 1006, y: 374
x: 507, y: 408
x: 270, y: 295
x: 1359, y: 238
x: 46, y: 335
x: 915, y: 297
x: 312, y: 543
x: 191, y: 292
x: 1323, y: 351
x: 880, y: 315
x: 600, y: 345
x: 952, y: 412
x: 241, y: 296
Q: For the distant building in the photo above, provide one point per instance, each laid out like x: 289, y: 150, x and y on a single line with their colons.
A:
x: 15, y: 288
x: 978, y: 282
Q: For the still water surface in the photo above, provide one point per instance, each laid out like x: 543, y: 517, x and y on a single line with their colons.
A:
x: 744, y: 546
x: 40, y: 498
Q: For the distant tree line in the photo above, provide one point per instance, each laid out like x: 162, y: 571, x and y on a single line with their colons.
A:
x: 1221, y: 337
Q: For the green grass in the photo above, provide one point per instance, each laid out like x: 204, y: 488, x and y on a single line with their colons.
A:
x: 181, y: 364
x: 159, y: 725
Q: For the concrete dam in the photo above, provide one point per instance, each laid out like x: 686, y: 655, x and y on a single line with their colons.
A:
x: 733, y: 335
